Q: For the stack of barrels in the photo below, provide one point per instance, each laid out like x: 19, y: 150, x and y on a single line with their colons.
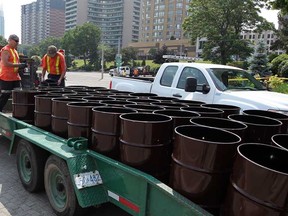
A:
x: 228, y: 161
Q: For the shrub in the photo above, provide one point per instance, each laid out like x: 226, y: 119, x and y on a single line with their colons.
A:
x: 274, y: 81
x: 283, y: 69
x: 276, y: 63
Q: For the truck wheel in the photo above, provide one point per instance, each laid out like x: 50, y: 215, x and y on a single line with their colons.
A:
x: 59, y: 188
x: 30, y: 160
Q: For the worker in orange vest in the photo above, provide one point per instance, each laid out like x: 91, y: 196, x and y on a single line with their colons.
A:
x: 9, y: 69
x: 54, y: 63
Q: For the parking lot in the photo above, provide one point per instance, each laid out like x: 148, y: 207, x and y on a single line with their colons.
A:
x: 14, y: 199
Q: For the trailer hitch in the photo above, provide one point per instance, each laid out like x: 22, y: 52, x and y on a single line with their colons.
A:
x: 78, y: 143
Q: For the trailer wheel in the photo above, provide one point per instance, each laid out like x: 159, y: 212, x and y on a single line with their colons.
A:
x: 59, y: 188
x: 30, y: 160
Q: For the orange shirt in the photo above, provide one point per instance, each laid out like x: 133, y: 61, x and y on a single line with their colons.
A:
x: 54, y: 65
x: 10, y: 73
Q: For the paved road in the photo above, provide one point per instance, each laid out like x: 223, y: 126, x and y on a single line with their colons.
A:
x: 14, y: 200
x: 88, y: 79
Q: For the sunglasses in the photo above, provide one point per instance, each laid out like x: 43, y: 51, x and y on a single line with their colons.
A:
x: 17, y: 41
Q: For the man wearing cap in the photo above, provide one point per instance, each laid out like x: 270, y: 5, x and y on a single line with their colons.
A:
x: 9, y: 66
x: 54, y: 63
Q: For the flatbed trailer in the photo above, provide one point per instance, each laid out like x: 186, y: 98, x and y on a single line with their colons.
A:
x: 75, y: 177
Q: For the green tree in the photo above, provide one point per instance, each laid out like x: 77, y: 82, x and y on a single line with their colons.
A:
x: 3, y: 41
x: 110, y: 54
x: 221, y: 22
x: 281, y: 41
x: 277, y: 63
x: 259, y: 62
x: 152, y: 52
x: 143, y: 63
x: 278, y: 4
x: 83, y: 41
x: 172, y: 37
x: 158, y: 57
x: 128, y: 55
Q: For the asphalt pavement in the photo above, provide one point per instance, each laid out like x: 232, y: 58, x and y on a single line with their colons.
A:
x: 14, y: 199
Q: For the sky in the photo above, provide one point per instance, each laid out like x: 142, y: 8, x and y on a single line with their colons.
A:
x: 12, y: 16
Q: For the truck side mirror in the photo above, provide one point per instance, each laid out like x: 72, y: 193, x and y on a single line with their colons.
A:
x: 191, y: 84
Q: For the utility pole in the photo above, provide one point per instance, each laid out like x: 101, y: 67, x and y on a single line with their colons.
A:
x: 102, y: 61
x: 102, y: 47
x: 118, y: 58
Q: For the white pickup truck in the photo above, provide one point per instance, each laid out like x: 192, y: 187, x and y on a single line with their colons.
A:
x: 210, y: 83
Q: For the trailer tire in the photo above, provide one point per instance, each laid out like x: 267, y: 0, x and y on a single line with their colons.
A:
x: 59, y: 188
x: 30, y: 160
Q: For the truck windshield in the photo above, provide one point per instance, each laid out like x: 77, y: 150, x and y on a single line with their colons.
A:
x: 233, y: 79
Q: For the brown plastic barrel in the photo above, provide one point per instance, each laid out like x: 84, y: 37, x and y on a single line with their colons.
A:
x: 188, y: 102
x: 236, y: 127
x: 57, y: 92
x: 228, y: 109
x: 122, y: 97
x: 104, y: 91
x: 116, y: 103
x: 54, y: 88
x: 84, y: 91
x: 95, y: 88
x: 144, y: 101
x: 259, y: 182
x: 205, y: 111
x: 23, y: 104
x: 75, y: 96
x: 59, y: 115
x: 105, y: 130
x: 73, y: 87
x: 145, y: 143
x: 260, y: 129
x: 202, y: 161
x: 144, y: 107
x: 280, y: 140
x: 80, y: 119
x: 167, y: 105
x: 118, y: 92
x: 163, y: 98
x: 95, y: 98
x: 179, y: 117
x: 143, y: 94
x: 275, y: 115
x: 43, y: 110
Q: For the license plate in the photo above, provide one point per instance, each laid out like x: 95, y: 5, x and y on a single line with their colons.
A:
x: 88, y: 179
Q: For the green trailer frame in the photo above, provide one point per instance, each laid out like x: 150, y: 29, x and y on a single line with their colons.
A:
x: 135, y: 192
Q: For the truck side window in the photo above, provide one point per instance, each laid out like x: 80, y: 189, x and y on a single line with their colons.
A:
x: 168, y: 75
x: 191, y: 72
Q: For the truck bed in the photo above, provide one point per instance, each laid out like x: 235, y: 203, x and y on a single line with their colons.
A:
x: 143, y: 84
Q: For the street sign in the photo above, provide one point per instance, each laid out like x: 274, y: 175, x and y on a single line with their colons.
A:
x: 118, y: 60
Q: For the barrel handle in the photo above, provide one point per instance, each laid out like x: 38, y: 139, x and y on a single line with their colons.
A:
x: 78, y: 143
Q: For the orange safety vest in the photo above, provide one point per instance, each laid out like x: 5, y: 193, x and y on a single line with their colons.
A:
x: 10, y: 73
x: 54, y: 65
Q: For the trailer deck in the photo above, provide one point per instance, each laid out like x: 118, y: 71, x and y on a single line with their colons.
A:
x: 93, y: 178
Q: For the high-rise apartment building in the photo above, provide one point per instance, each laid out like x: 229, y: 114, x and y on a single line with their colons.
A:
x: 42, y: 19
x: 162, y: 20
x: 119, y: 20
x: 1, y: 20
x: 161, y: 24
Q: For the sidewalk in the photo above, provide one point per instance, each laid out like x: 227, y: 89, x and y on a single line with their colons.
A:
x: 14, y: 199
